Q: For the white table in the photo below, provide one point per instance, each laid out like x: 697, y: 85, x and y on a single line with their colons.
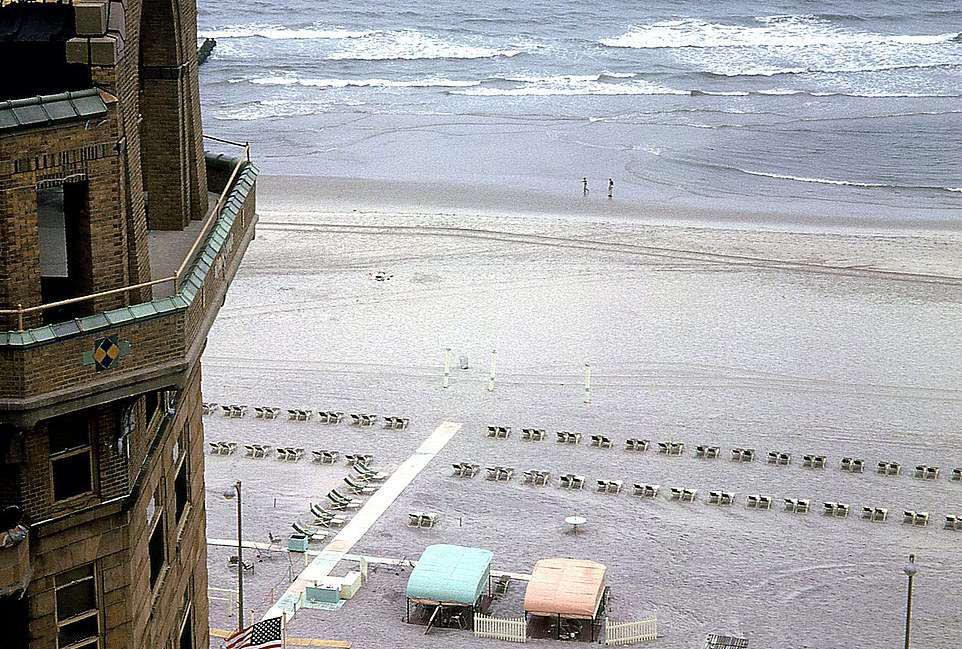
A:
x: 575, y: 521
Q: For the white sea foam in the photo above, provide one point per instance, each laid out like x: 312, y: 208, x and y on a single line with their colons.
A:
x: 363, y: 83
x: 569, y: 85
x: 845, y: 183
x: 272, y: 108
x: 414, y: 45
x: 795, y: 31
x: 279, y: 32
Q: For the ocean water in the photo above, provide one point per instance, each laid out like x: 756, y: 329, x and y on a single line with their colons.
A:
x: 809, y: 106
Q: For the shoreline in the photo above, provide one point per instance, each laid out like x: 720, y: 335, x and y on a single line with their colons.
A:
x: 332, y: 194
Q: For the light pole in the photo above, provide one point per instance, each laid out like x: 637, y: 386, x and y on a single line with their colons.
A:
x: 910, y: 569
x: 229, y: 495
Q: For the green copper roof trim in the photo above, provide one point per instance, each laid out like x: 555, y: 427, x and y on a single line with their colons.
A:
x: 190, y: 286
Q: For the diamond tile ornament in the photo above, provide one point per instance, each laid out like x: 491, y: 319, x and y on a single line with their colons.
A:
x: 106, y: 352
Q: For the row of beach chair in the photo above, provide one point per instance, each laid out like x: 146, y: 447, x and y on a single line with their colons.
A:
x: 532, y: 434
x: 423, y: 519
x: 222, y: 448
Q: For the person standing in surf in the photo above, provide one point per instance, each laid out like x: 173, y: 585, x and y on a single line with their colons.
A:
x: 584, y: 188
x: 611, y: 187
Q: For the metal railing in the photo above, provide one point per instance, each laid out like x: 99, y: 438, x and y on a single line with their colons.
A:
x: 20, y: 311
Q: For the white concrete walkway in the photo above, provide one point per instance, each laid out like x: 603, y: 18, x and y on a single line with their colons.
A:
x: 377, y: 504
x: 384, y: 561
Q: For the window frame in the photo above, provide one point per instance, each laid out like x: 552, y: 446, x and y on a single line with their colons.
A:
x: 154, y: 581
x: 91, y: 641
x: 52, y: 458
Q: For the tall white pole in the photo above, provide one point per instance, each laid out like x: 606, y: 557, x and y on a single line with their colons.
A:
x: 447, y: 366
x: 587, y: 382
x: 494, y: 355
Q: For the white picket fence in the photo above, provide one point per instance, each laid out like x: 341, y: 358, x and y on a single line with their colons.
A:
x: 630, y: 632
x: 510, y: 629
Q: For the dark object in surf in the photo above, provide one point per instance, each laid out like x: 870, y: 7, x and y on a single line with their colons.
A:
x: 204, y: 51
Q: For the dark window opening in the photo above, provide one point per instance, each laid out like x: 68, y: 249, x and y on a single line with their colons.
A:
x: 14, y: 610
x: 63, y: 230
x: 70, y: 456
x: 152, y: 400
x: 186, y: 636
x: 181, y: 490
x: 156, y: 548
x: 38, y: 34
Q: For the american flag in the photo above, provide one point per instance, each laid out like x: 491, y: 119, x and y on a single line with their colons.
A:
x: 263, y: 635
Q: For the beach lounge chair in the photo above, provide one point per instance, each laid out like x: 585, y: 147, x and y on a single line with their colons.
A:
x: 214, y: 448
x: 675, y: 493
x: 258, y: 412
x: 919, y: 519
x: 743, y: 454
x: 339, y: 501
x: 602, y: 485
x: 493, y: 472
x: 209, y: 407
x: 423, y: 519
x: 468, y: 470
x: 956, y: 475
x: 721, y: 497
x: 312, y: 535
x: 875, y: 514
x: 363, y: 459
x: 706, y: 452
x: 502, y: 584
x: 358, y: 488
x: 689, y: 495
x: 227, y: 448
x: 492, y: 432
x: 326, y: 518
x: 953, y: 522
x: 505, y: 473
x: 355, y: 419
x: 541, y: 478
x: 503, y: 432
x: 369, y: 419
x: 262, y: 450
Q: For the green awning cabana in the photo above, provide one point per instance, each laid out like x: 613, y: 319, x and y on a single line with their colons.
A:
x: 449, y: 575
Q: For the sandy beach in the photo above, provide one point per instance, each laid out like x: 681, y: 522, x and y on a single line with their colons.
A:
x: 776, y: 331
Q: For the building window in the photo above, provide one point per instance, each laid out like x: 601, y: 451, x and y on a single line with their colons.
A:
x: 153, y: 404
x: 181, y: 490
x: 157, y: 551
x: 63, y: 239
x: 52, y: 232
x: 78, y: 620
x: 70, y: 456
x: 186, y: 640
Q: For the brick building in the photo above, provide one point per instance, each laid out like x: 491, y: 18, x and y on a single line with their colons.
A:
x: 118, y: 241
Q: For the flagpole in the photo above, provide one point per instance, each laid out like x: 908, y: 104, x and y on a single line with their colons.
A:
x: 283, y: 631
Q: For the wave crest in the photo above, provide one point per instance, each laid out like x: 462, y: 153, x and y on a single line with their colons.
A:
x: 794, y: 31
x: 280, y: 32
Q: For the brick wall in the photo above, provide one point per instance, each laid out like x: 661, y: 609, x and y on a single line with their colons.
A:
x: 38, y: 156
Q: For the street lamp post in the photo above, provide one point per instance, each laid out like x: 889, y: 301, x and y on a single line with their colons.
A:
x: 229, y: 495
x: 910, y: 569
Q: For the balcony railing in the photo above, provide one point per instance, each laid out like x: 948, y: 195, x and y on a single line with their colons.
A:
x: 178, y: 277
